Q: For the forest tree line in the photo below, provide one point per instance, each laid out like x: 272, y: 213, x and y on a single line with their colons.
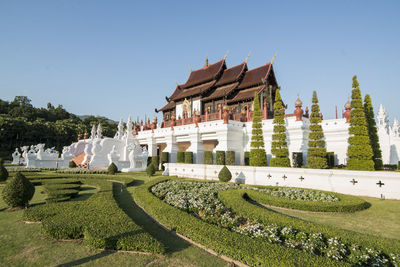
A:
x: 23, y: 124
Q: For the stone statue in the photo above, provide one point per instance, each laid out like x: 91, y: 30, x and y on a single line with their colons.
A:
x: 99, y: 133
x: 93, y: 132
x: 129, y: 126
x: 16, y: 156
x: 137, y: 158
x: 120, y: 130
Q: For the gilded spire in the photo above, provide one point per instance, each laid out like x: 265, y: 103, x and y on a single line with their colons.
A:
x: 226, y: 54
x: 206, y: 65
x: 247, y: 58
x: 273, y: 58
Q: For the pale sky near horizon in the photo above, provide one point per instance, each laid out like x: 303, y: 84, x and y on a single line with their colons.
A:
x: 120, y: 58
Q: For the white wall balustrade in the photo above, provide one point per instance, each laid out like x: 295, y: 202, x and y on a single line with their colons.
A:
x: 359, y: 183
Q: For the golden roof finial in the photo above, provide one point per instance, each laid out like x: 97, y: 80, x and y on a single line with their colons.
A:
x: 226, y: 54
x: 190, y: 69
x: 206, y: 61
x: 247, y: 58
x: 273, y: 58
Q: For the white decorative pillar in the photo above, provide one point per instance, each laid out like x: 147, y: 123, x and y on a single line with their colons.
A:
x: 172, y: 147
x: 151, y: 141
x: 196, y: 146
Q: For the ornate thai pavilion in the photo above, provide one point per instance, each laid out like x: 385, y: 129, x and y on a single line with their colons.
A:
x: 215, y: 87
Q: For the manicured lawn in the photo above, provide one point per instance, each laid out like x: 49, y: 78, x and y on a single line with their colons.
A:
x: 381, y: 219
x: 25, y: 245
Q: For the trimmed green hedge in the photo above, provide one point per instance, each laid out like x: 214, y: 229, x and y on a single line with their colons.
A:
x: 346, y: 203
x: 330, y: 159
x: 297, y: 159
x: 164, y: 159
x: 251, y: 251
x: 180, y: 157
x: 237, y: 202
x: 58, y: 191
x: 208, y: 157
x: 220, y: 157
x: 189, y: 157
x: 99, y: 220
x: 247, y: 158
x: 155, y: 160
x: 230, y: 157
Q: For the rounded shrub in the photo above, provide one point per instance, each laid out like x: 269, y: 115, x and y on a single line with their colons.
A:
x: 72, y: 164
x: 3, y: 171
x: 150, y: 170
x: 220, y: 157
x: 180, y: 157
x: 208, y: 157
x: 18, y: 191
x: 189, y: 157
x: 225, y: 175
x: 113, y: 169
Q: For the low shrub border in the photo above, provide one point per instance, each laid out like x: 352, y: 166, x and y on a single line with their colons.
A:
x: 234, y: 245
x: 346, y: 203
x: 237, y: 201
x: 99, y: 220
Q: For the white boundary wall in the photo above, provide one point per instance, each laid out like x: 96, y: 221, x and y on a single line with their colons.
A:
x: 330, y: 180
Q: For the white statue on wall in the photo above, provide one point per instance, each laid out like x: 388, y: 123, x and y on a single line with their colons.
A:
x: 99, y: 132
x: 93, y: 132
x: 120, y: 131
x: 16, y: 156
x: 137, y: 158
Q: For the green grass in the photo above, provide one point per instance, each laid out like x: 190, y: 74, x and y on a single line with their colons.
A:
x: 381, y: 219
x: 25, y: 245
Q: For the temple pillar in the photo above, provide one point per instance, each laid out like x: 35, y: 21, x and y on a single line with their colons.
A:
x: 196, y: 146
x: 152, y: 146
x: 172, y: 146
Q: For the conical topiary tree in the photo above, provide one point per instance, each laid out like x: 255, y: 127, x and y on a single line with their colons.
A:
x: 316, y: 157
x: 373, y: 133
x: 359, y: 151
x: 112, y: 169
x: 150, y: 170
x: 18, y: 191
x: 3, y: 171
x: 279, y: 148
x: 224, y: 175
x: 258, y: 157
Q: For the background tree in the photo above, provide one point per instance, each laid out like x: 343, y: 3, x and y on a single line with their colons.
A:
x: 359, y: 151
x: 22, y: 124
x: 373, y: 133
x: 316, y: 157
x: 279, y: 148
x: 258, y: 157
x: 3, y: 171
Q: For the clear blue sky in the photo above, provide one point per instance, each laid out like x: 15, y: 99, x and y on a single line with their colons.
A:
x: 115, y: 58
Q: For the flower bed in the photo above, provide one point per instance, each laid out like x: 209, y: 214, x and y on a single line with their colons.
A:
x: 98, y: 220
x: 246, y: 249
x: 231, y: 211
x: 306, y: 199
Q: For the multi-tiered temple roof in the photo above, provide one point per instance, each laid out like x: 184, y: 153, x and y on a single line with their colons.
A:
x: 216, y: 84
